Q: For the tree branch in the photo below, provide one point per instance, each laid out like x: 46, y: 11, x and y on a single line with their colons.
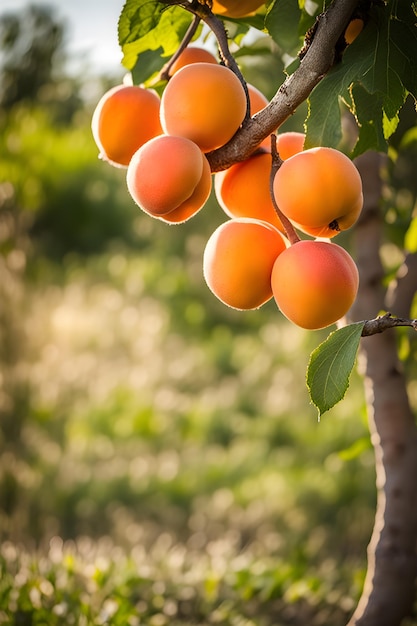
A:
x: 317, y: 61
x: 384, y: 322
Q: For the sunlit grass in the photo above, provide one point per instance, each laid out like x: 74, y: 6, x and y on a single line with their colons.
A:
x: 160, y: 461
x: 94, y: 582
x: 191, y: 444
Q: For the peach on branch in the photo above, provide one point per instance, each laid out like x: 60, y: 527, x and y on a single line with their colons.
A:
x: 203, y: 102
x: 354, y: 28
x: 192, y: 54
x: 236, y: 8
x: 257, y: 99
x: 314, y: 283
x: 238, y: 261
x: 243, y: 190
x: 320, y: 191
x: 169, y: 178
x: 289, y: 143
x: 195, y: 202
x: 125, y: 118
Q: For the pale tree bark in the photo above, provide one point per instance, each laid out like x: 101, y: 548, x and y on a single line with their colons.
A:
x: 389, y: 589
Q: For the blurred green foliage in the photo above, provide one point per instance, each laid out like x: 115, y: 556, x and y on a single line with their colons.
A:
x: 159, y: 460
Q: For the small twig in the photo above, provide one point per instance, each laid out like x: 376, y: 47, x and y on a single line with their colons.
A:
x: 192, y: 29
x: 275, y: 165
x: 384, y: 322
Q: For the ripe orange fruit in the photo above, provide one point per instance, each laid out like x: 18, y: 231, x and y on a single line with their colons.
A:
x: 314, y: 283
x: 203, y: 102
x: 125, y: 118
x: 320, y: 191
x: 169, y: 178
x: 243, y: 190
x: 238, y: 261
x: 236, y: 8
x: 353, y: 29
x: 290, y: 143
x: 192, y: 54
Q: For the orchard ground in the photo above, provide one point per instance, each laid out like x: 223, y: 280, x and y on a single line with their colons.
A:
x: 160, y: 460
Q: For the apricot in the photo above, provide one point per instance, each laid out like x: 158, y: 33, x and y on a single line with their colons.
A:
x: 195, y: 202
x: 169, y: 178
x: 314, y: 283
x: 320, y: 191
x: 205, y: 103
x: 243, y: 190
x: 353, y: 29
x: 192, y: 54
x: 290, y: 143
x: 236, y: 8
x: 238, y: 260
x: 125, y: 118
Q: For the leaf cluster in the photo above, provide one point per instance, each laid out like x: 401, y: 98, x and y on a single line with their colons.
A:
x: 372, y: 77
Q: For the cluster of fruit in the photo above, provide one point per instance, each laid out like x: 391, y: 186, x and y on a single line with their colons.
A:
x: 163, y: 143
x: 249, y: 259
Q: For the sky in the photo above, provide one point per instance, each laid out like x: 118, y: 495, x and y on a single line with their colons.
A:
x: 91, y: 30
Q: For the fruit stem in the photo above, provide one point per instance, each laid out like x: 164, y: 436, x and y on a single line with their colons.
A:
x: 192, y: 29
x: 275, y: 165
x: 203, y: 11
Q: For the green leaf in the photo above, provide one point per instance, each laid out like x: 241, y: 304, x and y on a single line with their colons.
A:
x: 373, y: 77
x: 330, y: 366
x: 369, y: 113
x: 282, y: 22
x: 323, y: 126
x: 244, y: 23
x: 389, y: 125
x: 404, y: 50
x: 147, y: 64
x: 149, y: 25
x: 250, y: 51
x: 382, y: 74
x: 138, y: 17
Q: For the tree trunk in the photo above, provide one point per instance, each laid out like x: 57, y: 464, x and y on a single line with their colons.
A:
x: 389, y: 590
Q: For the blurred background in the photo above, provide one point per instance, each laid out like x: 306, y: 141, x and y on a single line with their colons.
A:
x: 158, y: 451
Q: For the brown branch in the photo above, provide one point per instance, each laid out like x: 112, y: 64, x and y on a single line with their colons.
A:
x: 294, y: 91
x: 385, y: 322
x: 316, y: 62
